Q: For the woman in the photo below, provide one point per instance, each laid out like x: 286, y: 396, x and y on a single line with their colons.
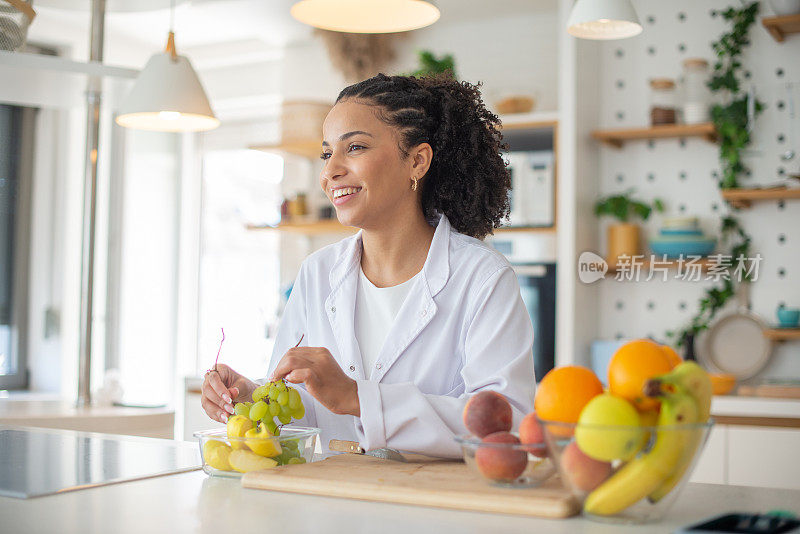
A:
x: 405, y: 320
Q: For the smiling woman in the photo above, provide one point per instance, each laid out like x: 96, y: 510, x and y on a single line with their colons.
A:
x: 405, y: 320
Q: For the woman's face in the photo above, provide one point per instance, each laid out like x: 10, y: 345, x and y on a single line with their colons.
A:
x: 365, y: 175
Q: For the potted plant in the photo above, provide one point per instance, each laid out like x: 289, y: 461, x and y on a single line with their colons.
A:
x: 623, y: 237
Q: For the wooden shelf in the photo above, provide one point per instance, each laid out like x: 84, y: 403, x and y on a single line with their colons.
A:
x: 304, y: 149
x: 310, y: 227
x: 780, y: 27
x: 528, y: 229
x: 618, y: 137
x: 744, y: 197
x: 782, y: 334
x: 335, y: 227
x: 529, y: 121
x: 673, y: 264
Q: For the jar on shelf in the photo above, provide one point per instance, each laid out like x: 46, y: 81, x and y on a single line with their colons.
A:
x: 662, y: 101
x: 696, y: 97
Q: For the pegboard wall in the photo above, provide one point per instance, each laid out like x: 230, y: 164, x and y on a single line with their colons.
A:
x: 684, y: 173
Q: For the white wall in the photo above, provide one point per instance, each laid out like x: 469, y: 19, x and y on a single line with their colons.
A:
x: 650, y: 308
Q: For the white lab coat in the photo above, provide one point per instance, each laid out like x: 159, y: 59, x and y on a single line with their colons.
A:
x: 463, y: 328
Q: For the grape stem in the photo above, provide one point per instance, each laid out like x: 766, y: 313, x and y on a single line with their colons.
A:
x: 220, y: 349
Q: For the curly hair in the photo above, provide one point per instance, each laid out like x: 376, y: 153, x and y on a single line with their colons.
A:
x: 467, y: 180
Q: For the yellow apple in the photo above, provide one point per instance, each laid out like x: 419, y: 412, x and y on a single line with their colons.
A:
x: 216, y: 454
x: 245, y: 461
x: 261, y: 443
x: 237, y: 426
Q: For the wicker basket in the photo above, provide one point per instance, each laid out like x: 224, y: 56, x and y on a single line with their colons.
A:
x: 15, y: 17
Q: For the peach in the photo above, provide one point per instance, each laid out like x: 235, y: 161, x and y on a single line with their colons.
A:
x: 531, y: 433
x: 584, y: 472
x: 501, y: 463
x: 487, y: 412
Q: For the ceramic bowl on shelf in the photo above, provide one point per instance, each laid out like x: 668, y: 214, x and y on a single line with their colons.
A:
x: 677, y: 246
x: 722, y: 384
x: 230, y: 457
x: 672, y: 232
x: 680, y: 223
x: 788, y: 317
x: 512, y: 465
x: 636, y: 488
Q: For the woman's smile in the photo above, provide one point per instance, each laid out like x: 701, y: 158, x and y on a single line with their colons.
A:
x: 340, y: 195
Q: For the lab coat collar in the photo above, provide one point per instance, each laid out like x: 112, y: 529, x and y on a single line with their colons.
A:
x: 415, y: 314
x: 435, y: 272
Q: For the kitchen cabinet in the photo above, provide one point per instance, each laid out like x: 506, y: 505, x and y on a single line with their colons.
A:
x: 764, y: 457
x: 750, y: 456
x: 712, y: 467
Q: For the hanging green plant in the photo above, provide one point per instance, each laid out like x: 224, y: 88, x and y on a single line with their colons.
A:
x: 430, y: 65
x: 731, y: 120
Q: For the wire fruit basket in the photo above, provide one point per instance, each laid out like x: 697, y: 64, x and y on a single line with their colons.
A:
x: 15, y: 17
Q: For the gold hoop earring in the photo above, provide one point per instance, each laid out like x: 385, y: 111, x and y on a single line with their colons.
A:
x: 414, y: 184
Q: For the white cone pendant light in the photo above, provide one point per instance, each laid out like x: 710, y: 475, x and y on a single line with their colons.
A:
x: 366, y: 16
x: 167, y: 97
x: 603, y: 19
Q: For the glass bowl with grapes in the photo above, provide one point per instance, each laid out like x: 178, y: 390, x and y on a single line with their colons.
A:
x: 259, y: 435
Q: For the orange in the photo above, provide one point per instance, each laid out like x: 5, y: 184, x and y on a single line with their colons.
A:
x: 672, y: 356
x: 632, y: 365
x: 564, y: 391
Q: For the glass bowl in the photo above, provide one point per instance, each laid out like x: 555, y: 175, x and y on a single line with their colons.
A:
x: 633, y: 475
x: 511, y: 465
x: 230, y: 457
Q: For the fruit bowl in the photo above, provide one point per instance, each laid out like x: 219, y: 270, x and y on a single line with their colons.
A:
x: 634, y: 473
x: 230, y: 457
x: 516, y: 465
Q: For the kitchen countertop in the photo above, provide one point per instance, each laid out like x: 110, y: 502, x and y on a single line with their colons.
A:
x: 194, y: 502
x: 735, y: 405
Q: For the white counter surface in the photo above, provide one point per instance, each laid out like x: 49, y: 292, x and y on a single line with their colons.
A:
x: 194, y: 502
x: 734, y: 405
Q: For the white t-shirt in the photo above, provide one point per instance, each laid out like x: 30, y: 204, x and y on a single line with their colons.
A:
x: 376, y: 309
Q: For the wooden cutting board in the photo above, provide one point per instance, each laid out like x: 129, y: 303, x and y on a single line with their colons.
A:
x: 775, y: 391
x: 438, y: 483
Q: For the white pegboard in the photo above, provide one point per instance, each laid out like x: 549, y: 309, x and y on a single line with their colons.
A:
x: 684, y: 173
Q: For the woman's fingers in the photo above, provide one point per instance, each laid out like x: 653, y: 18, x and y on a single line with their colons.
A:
x: 305, y: 375
x: 292, y: 360
x: 215, y: 381
x: 211, y: 393
x: 213, y: 411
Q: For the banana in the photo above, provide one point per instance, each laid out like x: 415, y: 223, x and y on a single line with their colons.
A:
x: 641, y: 476
x: 694, y: 380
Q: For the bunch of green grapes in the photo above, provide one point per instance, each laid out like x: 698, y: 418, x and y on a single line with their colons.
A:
x: 273, y: 400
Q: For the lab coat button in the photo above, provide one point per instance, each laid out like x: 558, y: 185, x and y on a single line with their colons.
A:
x: 352, y: 368
x: 378, y: 366
x: 333, y: 309
x: 423, y: 312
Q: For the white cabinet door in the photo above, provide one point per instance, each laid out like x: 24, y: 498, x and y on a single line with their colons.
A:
x: 764, y: 457
x: 712, y: 467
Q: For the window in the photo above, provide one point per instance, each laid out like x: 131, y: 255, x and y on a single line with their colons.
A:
x: 16, y: 162
x: 239, y: 267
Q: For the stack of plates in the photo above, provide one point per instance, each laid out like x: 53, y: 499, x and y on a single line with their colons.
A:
x: 682, y: 236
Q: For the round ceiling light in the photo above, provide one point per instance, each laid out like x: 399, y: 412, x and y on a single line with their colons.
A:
x: 366, y: 16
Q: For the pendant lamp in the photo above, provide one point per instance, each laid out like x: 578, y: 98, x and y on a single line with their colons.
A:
x: 167, y: 96
x: 603, y: 19
x: 366, y: 16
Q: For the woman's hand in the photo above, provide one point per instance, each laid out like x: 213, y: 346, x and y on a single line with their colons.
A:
x: 324, y: 379
x: 221, y: 388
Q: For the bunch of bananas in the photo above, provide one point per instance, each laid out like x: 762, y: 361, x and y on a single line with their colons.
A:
x: 685, y: 395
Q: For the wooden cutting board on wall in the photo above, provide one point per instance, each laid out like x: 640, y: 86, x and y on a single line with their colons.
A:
x: 440, y: 484
x: 775, y: 391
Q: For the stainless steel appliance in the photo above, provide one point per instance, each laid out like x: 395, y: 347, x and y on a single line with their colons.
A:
x: 38, y: 461
x: 532, y: 188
